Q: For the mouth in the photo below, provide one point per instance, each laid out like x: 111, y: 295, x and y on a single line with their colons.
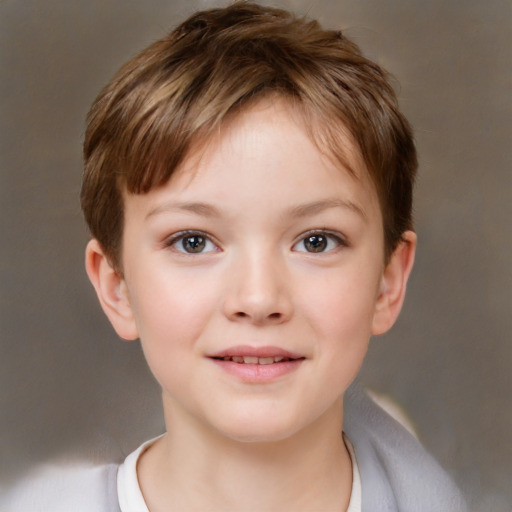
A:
x: 247, y: 354
x: 256, y: 360
x: 257, y: 364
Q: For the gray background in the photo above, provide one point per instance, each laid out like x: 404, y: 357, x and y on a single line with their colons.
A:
x: 70, y: 388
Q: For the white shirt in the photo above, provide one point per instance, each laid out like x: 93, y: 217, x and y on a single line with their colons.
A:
x: 130, y: 494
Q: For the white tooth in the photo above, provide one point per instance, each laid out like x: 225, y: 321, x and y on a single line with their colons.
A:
x: 277, y: 359
x: 266, y: 360
x: 227, y: 358
x: 238, y: 359
x: 250, y: 360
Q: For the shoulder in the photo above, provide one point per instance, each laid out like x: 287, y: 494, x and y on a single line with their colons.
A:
x: 397, y: 473
x: 63, y: 489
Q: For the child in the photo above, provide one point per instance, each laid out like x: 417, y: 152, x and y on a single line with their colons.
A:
x: 248, y: 186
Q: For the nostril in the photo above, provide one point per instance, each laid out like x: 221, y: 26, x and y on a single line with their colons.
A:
x: 271, y: 316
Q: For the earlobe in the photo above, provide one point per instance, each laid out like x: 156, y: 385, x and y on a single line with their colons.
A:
x: 393, y: 284
x: 111, y: 290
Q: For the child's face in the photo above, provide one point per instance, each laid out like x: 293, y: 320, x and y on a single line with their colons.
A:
x: 260, y: 246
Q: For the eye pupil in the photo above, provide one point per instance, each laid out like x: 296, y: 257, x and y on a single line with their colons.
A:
x: 315, y: 243
x: 194, y: 243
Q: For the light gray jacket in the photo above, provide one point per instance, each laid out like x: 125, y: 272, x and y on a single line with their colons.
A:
x: 397, y: 474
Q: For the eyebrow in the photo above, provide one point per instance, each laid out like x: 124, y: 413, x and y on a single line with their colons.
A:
x: 203, y: 209
x: 314, y: 207
x: 302, y: 210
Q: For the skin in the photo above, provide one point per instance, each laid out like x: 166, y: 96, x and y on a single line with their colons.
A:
x: 254, y: 195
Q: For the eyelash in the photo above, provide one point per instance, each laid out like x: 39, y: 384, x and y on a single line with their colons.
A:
x: 338, y: 239
x: 328, y: 236
x: 172, y: 241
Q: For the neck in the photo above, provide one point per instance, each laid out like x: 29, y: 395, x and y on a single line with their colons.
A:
x: 192, y: 467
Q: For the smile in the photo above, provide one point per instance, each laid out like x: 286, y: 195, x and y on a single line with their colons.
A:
x: 254, y: 359
x: 257, y: 365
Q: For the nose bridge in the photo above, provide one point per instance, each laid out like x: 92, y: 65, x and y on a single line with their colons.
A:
x: 258, y: 289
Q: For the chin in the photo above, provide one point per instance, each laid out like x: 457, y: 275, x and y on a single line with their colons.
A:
x: 261, y: 428
x: 252, y: 435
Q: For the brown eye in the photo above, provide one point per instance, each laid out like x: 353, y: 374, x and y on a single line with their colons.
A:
x: 315, y: 243
x: 193, y: 244
x: 319, y: 242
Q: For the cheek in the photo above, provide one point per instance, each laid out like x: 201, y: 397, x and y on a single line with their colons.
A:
x: 172, y: 310
x: 341, y: 322
x: 339, y: 312
x: 172, y: 315
x: 341, y: 304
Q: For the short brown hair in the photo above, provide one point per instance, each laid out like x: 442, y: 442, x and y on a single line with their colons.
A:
x: 217, y: 62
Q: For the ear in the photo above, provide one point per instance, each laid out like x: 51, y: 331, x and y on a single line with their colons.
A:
x: 111, y: 290
x: 393, y: 284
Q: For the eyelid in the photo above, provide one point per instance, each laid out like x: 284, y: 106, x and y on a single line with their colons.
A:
x: 339, y: 238
x: 173, y: 239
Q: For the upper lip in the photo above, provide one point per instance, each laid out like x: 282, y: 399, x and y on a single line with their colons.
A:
x: 248, y: 350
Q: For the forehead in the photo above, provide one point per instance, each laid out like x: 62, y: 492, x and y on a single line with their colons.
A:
x: 268, y: 152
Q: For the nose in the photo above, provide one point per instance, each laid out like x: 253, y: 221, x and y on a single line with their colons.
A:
x: 258, y: 291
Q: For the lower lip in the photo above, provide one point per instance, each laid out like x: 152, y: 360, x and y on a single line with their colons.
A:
x: 258, y: 373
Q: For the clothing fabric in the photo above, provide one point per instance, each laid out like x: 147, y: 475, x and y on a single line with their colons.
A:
x: 356, y: 494
x: 66, y: 488
x: 396, y: 473
x: 128, y: 488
